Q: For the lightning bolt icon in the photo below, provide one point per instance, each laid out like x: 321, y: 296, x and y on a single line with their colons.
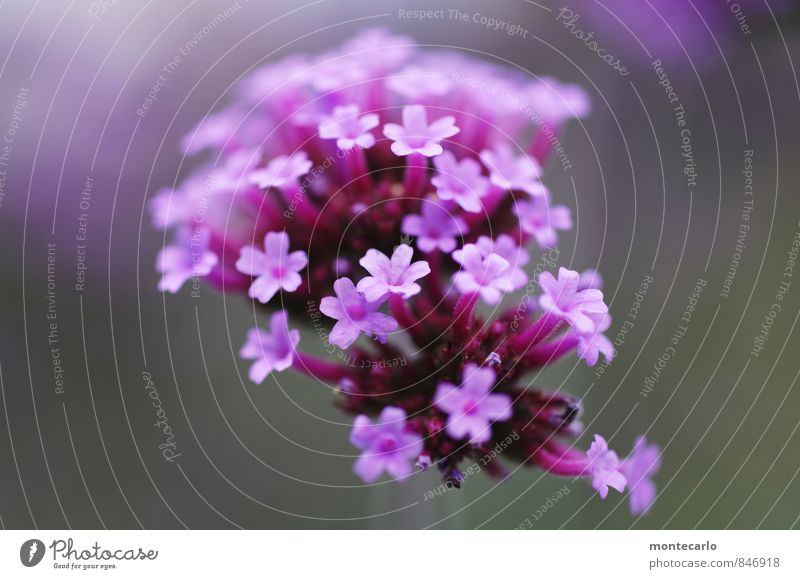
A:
x: 34, y: 548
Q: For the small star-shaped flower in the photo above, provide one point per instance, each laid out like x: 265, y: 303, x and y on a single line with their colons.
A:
x: 395, y: 275
x: 415, y: 135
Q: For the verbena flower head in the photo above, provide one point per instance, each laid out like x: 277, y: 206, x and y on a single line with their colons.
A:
x: 379, y: 192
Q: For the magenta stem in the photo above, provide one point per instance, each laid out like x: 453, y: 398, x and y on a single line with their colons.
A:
x: 537, y: 332
x: 416, y: 175
x: 319, y: 368
x: 541, y: 147
x: 490, y: 202
x: 435, y: 277
x: 400, y: 311
x: 299, y: 204
x: 357, y: 165
x: 561, y: 465
x: 547, y: 352
x: 493, y: 199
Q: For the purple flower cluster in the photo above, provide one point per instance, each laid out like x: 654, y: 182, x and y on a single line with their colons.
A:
x: 371, y: 186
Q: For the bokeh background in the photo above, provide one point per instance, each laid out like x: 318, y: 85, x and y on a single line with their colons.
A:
x: 85, y: 454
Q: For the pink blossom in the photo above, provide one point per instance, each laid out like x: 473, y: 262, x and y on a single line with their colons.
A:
x: 189, y: 257
x: 271, y: 352
x: 230, y: 130
x: 213, y: 131
x: 510, y: 171
x: 594, y: 343
x: 274, y: 269
x: 461, y: 181
x: 561, y: 298
x: 590, y: 279
x: 170, y: 207
x: 506, y: 247
x: 643, y: 462
x: 387, y: 445
x: 415, y: 135
x: 391, y: 276
x: 416, y: 83
x: 355, y: 314
x: 337, y: 71
x: 273, y: 80
x: 542, y: 221
x: 471, y: 408
x: 556, y: 102
x: 348, y: 128
x: 281, y: 171
x: 604, y: 467
x: 436, y: 228
x: 489, y: 275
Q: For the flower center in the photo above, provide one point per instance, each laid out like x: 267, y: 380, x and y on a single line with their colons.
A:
x: 350, y: 128
x: 417, y: 141
x: 278, y: 271
x: 356, y: 312
x: 471, y: 407
x: 433, y: 231
x: 387, y: 444
x: 485, y: 277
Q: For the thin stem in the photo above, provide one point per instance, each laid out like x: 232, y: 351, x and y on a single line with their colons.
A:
x: 490, y: 203
x: 299, y: 203
x: 416, y: 175
x: 559, y: 464
x: 551, y: 351
x: 541, y: 146
x: 537, y: 332
x: 357, y: 166
x: 493, y: 199
x: 402, y: 313
x: 319, y: 368
x: 435, y: 277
